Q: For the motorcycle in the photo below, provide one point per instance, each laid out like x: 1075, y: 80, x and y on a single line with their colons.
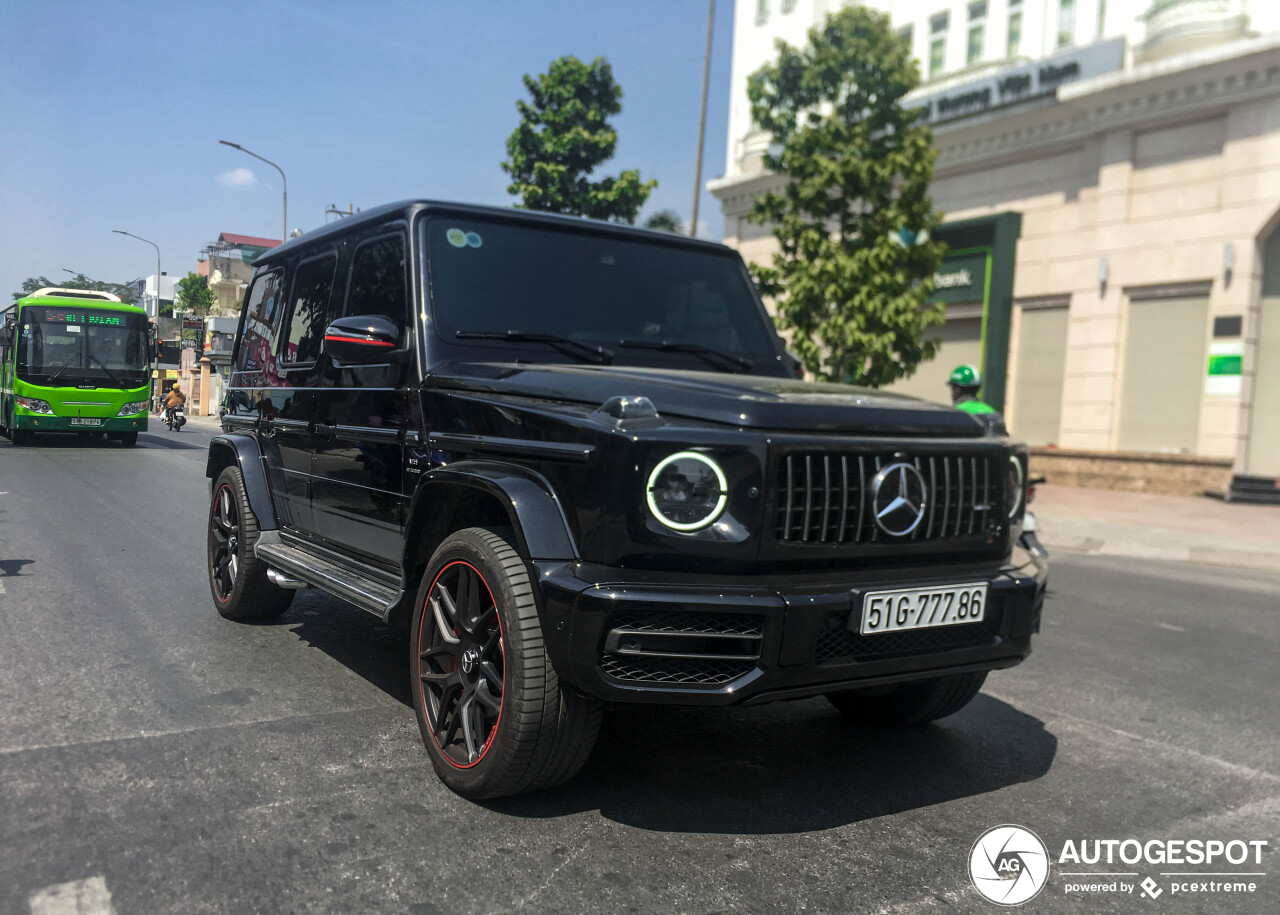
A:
x: 175, y: 419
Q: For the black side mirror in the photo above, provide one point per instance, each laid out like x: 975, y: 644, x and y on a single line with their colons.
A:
x: 361, y: 339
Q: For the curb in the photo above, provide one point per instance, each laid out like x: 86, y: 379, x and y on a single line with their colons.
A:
x: 1235, y: 556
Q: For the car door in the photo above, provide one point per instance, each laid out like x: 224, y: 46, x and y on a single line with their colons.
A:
x: 268, y: 398
x: 358, y: 495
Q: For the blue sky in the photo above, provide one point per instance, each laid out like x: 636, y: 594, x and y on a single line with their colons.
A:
x: 112, y: 112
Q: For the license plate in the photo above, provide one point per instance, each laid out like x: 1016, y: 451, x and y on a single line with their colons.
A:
x: 922, y: 608
x: 85, y: 421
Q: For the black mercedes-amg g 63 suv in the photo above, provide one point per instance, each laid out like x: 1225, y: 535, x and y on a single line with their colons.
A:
x: 573, y: 458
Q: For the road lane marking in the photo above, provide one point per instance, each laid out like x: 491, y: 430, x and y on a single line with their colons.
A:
x: 1170, y: 627
x: 79, y: 897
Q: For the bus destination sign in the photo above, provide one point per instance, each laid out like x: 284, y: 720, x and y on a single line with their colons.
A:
x: 80, y: 317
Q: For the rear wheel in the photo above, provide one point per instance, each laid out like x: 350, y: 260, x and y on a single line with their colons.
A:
x: 238, y: 579
x: 128, y: 439
x: 494, y: 717
x: 909, y: 703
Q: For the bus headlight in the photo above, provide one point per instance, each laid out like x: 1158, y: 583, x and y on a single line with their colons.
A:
x: 34, y: 404
x: 687, y: 491
x: 130, y: 408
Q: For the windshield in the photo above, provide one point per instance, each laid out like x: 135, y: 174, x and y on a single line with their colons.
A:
x: 601, y: 290
x: 66, y: 347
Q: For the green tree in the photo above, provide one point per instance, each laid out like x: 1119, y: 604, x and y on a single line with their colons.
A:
x: 855, y: 262
x: 563, y: 136
x: 194, y: 295
x: 665, y: 221
x: 79, y: 281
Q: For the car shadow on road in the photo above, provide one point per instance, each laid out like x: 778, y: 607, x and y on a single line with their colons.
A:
x: 780, y: 768
x: 789, y: 767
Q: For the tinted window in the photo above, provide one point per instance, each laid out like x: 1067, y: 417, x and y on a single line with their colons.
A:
x: 263, y: 308
x: 598, y: 289
x: 378, y: 285
x: 309, y: 308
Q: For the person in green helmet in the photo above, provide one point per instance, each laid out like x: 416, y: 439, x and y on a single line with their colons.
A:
x: 965, y: 380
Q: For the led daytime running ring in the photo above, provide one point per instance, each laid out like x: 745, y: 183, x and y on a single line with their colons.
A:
x: 1020, y: 489
x: 720, y: 502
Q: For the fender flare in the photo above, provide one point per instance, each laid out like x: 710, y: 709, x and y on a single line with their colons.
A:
x: 243, y: 451
x: 536, y: 513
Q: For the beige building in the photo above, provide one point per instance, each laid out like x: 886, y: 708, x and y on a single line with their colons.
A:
x: 1129, y: 175
x: 228, y: 264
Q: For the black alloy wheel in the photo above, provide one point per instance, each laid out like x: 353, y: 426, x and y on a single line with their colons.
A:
x: 461, y: 664
x: 224, y: 543
x: 237, y: 577
x: 494, y: 716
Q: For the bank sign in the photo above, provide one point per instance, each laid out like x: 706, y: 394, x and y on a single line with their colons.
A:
x: 961, y: 277
x: 1023, y: 83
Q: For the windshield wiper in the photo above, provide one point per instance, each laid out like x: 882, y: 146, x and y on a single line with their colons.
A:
x: 596, y: 354
x: 60, y: 368
x: 716, y: 357
x: 110, y: 374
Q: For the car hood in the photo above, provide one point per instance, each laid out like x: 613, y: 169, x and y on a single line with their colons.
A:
x: 750, y: 401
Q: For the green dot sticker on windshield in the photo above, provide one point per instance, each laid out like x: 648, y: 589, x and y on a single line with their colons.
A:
x: 457, y: 238
x: 473, y: 239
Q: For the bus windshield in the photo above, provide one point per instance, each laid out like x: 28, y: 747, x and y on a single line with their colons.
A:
x: 82, y: 346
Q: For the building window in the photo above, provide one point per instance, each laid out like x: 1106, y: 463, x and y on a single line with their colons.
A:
x: 788, y: 6
x: 938, y: 26
x: 977, y: 27
x: 762, y: 11
x: 906, y: 33
x: 1066, y: 22
x: 1013, y: 46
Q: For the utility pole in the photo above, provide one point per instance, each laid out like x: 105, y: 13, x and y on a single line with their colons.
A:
x: 702, y: 119
x: 284, y: 233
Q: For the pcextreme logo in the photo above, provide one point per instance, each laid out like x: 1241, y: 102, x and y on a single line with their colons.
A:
x: 1009, y: 865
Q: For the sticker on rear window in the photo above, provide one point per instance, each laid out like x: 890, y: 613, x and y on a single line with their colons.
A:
x: 457, y: 238
x: 473, y: 239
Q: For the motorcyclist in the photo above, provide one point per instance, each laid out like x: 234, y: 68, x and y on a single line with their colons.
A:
x: 175, y: 398
x: 965, y: 380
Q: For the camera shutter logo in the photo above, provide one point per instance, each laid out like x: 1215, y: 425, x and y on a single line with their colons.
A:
x: 898, y: 499
x: 1009, y: 865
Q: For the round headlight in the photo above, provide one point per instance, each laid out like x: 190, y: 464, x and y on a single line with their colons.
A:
x: 1013, y: 485
x: 687, y: 491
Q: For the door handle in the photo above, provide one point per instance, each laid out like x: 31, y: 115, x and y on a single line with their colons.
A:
x: 326, y: 430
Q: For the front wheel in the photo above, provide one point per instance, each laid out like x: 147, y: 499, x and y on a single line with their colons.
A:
x: 494, y: 717
x: 909, y: 703
x: 128, y: 439
x: 20, y: 437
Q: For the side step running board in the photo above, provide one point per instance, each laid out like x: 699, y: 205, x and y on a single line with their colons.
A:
x: 292, y: 563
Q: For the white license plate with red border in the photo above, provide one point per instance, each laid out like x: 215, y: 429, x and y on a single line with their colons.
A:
x: 923, y: 608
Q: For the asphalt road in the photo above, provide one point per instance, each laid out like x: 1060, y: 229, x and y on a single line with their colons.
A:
x: 155, y: 758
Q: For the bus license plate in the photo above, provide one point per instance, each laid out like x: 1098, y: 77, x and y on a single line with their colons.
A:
x: 923, y: 608
x: 85, y: 421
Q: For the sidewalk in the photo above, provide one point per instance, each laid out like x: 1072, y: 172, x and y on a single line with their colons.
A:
x: 1177, y: 528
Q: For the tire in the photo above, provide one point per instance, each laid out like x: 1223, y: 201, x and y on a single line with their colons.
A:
x: 237, y: 578
x: 128, y: 439
x: 536, y: 732
x: 909, y: 703
x: 20, y: 437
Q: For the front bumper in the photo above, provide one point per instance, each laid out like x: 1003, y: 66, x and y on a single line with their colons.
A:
x: 43, y: 422
x: 628, y: 636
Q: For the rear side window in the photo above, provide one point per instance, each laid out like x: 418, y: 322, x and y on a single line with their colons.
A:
x: 263, y: 306
x: 308, y: 309
x: 378, y: 285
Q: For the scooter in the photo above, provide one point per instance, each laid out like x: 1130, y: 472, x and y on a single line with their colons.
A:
x: 1029, y: 539
x: 175, y: 419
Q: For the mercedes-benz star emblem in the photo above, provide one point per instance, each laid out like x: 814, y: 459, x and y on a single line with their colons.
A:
x: 898, y: 499
x: 470, y: 658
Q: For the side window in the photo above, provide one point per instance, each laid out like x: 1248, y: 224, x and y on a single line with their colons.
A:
x: 377, y: 285
x: 261, y: 323
x: 308, y: 309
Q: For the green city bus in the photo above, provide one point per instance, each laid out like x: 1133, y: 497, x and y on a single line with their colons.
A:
x: 72, y: 360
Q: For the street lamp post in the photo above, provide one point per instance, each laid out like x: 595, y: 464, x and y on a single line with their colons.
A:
x: 702, y: 119
x: 284, y: 235
x: 157, y: 247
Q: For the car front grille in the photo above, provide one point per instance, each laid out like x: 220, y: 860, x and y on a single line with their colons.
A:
x: 673, y: 648
x: 825, y: 497
x: 836, y: 642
